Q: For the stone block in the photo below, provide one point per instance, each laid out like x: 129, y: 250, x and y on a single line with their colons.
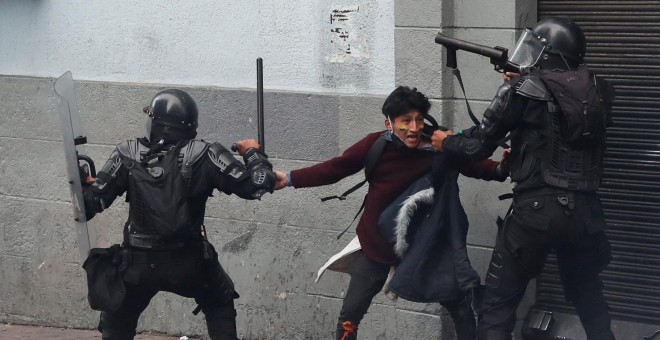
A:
x: 424, y: 13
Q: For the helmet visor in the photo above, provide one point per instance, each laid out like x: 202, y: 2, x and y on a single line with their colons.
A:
x: 528, y: 50
x: 147, y: 128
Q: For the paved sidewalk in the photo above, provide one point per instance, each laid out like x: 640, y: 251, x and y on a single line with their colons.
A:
x: 13, y: 332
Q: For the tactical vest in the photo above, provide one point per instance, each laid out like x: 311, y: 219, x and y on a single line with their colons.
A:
x: 159, y: 190
x: 561, y: 164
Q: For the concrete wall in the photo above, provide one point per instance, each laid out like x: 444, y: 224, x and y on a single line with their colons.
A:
x: 338, y: 46
x: 319, y: 100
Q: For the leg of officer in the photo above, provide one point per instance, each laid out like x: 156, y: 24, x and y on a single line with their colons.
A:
x: 217, y: 302
x: 221, y: 320
x: 463, y: 317
x: 519, y: 254
x: 579, y: 267
x: 121, y: 324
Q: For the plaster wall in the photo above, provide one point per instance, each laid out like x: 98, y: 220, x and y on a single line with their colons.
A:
x: 317, y: 46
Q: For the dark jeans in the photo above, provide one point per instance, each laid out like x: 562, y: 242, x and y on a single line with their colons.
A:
x: 572, y: 224
x: 183, y: 272
x: 368, y: 278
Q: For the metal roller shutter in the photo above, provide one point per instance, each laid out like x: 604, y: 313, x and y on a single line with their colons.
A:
x: 623, y: 46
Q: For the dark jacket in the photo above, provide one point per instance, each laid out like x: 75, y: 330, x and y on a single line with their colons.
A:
x: 397, y: 168
x: 427, y: 227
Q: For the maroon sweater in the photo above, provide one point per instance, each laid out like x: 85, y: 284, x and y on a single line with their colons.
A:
x: 395, y: 171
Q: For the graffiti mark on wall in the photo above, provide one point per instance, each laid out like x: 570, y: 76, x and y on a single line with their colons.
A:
x: 342, y: 14
x: 346, y: 39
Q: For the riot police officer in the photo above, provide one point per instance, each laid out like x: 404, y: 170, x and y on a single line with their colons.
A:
x: 167, y: 178
x: 557, y: 112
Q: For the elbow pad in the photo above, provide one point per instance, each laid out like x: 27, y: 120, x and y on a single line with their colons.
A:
x: 495, y: 112
x: 226, y: 162
x: 108, y: 173
x: 261, y: 172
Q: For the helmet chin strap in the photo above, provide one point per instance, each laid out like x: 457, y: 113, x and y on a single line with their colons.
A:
x: 554, y: 62
x: 565, y: 61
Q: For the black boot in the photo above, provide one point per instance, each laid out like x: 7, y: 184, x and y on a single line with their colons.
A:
x: 221, y: 322
x: 346, y: 331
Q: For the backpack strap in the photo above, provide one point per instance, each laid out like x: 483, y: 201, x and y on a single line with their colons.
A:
x: 364, y: 200
x: 373, y: 155
x: 370, y: 161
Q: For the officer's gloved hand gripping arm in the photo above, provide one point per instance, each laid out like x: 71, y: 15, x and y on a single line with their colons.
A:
x: 250, y: 180
x: 480, y: 141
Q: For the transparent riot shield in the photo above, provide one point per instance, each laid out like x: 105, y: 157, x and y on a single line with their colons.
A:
x: 74, y: 140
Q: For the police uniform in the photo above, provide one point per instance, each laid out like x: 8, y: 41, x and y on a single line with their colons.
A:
x: 556, y: 170
x: 167, y: 180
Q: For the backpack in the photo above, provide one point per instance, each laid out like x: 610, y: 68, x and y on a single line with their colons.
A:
x: 582, y: 117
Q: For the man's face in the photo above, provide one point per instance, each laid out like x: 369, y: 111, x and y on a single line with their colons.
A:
x: 408, y: 128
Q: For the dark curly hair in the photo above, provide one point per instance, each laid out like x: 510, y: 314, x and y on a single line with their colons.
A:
x: 403, y: 100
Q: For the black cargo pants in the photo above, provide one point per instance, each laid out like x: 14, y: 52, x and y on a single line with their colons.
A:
x: 541, y: 220
x: 184, y: 272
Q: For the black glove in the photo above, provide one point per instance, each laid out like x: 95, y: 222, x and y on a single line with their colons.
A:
x: 83, y: 170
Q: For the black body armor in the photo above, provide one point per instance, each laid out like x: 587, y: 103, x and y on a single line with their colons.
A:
x: 168, y: 187
x: 557, y: 134
x: 544, y: 148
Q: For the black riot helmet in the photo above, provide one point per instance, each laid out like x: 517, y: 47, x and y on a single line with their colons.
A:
x: 553, y: 43
x: 172, y: 116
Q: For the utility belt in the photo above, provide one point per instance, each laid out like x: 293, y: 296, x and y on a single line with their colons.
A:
x: 194, y: 240
x: 155, y: 242
x: 140, y: 256
x: 564, y: 196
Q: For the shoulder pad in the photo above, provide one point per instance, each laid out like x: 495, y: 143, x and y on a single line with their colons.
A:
x: 132, y: 149
x: 533, y: 87
x: 225, y: 161
x: 193, y: 152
